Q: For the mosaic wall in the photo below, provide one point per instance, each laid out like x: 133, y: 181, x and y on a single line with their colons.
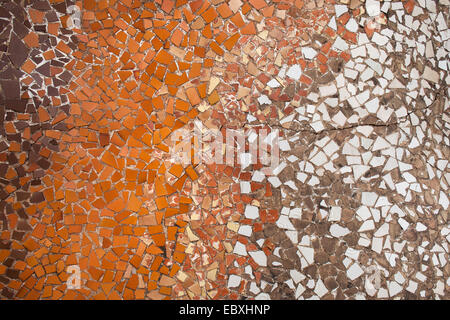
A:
x: 93, y: 205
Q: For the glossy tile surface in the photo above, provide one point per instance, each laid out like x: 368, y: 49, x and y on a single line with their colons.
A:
x: 92, y: 93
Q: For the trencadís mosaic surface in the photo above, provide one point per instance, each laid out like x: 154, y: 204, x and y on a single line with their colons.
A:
x: 350, y: 97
